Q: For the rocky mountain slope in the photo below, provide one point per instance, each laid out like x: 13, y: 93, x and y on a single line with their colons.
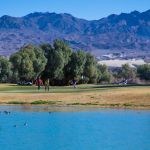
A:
x: 124, y: 32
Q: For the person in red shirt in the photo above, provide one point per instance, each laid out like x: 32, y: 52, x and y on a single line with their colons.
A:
x: 39, y: 83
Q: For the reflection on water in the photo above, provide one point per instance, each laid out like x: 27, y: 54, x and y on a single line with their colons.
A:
x: 51, y: 128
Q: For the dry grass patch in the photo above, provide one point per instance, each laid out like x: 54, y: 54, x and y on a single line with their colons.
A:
x: 129, y: 96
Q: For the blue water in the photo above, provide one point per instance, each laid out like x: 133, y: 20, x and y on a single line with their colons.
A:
x: 82, y: 130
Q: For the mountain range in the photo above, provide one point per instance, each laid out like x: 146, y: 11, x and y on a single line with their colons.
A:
x: 126, y: 32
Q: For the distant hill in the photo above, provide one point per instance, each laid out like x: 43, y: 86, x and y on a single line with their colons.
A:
x: 124, y: 32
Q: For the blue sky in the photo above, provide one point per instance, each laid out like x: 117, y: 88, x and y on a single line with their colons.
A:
x: 87, y: 9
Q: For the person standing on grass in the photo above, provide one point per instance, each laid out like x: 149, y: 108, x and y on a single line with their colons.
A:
x: 74, y: 82
x: 39, y: 83
x: 47, y: 85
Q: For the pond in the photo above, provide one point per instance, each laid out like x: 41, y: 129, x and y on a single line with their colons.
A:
x: 73, y: 129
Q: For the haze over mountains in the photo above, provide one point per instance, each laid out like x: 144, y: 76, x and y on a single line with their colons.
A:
x: 124, y: 32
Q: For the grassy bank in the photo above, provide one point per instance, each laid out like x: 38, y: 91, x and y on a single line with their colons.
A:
x: 134, y: 97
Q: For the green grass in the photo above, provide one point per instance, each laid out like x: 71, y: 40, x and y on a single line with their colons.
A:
x: 40, y: 102
x: 8, y: 88
x: 117, y: 105
x: 17, y: 103
x: 107, y: 93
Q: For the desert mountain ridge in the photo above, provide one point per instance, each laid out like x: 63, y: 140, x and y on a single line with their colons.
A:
x: 126, y: 32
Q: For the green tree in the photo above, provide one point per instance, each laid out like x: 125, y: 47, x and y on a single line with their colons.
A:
x: 103, y: 74
x: 5, y: 69
x: 75, y: 67
x: 63, y: 47
x: 28, y: 63
x: 127, y: 72
x: 58, y: 57
x: 143, y: 72
x: 90, y: 69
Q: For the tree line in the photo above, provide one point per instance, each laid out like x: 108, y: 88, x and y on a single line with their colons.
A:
x: 61, y: 65
x: 58, y: 62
